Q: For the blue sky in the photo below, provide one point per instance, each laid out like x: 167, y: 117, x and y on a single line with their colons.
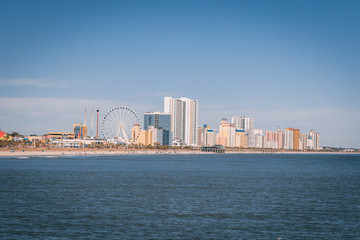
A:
x: 285, y: 63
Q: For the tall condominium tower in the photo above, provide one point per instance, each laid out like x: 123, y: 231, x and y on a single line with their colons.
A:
x: 289, y: 139
x: 294, y: 143
x: 313, y: 140
x: 184, y: 119
x: 226, y: 134
x: 246, y: 124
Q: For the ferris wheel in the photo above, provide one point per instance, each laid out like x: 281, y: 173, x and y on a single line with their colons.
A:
x: 118, y: 124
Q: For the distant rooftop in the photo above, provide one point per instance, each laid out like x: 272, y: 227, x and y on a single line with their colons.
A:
x: 162, y: 113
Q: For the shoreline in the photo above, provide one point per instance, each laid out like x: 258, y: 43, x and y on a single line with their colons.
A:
x: 75, y: 152
x: 88, y: 152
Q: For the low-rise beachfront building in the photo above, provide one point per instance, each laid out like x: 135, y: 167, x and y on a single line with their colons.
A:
x: 73, y: 143
x: 76, y: 143
x: 5, y: 136
x: 60, y: 135
x: 139, y: 136
x: 80, y: 130
x: 35, y: 138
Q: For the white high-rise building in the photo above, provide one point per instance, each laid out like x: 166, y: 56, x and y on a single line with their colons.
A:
x: 184, y: 120
x: 246, y: 124
x: 259, y: 138
x: 313, y: 140
x: 288, y: 139
x: 243, y: 123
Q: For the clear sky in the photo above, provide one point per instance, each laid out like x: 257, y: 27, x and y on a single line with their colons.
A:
x: 285, y: 63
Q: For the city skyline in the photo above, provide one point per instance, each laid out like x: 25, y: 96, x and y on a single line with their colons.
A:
x: 178, y: 126
x: 288, y: 64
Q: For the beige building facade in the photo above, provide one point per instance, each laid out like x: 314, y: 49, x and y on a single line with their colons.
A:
x: 139, y: 136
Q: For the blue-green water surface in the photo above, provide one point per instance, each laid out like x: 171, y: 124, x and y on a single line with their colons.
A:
x: 287, y: 196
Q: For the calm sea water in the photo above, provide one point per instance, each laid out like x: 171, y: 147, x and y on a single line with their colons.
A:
x: 181, y: 197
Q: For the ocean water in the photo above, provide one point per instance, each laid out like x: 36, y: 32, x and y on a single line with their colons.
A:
x: 280, y: 196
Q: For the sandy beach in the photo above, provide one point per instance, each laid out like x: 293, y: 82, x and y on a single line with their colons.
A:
x: 83, y: 152
x: 75, y: 152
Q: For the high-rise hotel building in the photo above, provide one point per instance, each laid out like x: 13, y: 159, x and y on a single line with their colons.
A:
x: 243, y: 123
x: 161, y: 122
x: 246, y: 124
x: 313, y: 140
x: 184, y: 120
x: 226, y: 134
